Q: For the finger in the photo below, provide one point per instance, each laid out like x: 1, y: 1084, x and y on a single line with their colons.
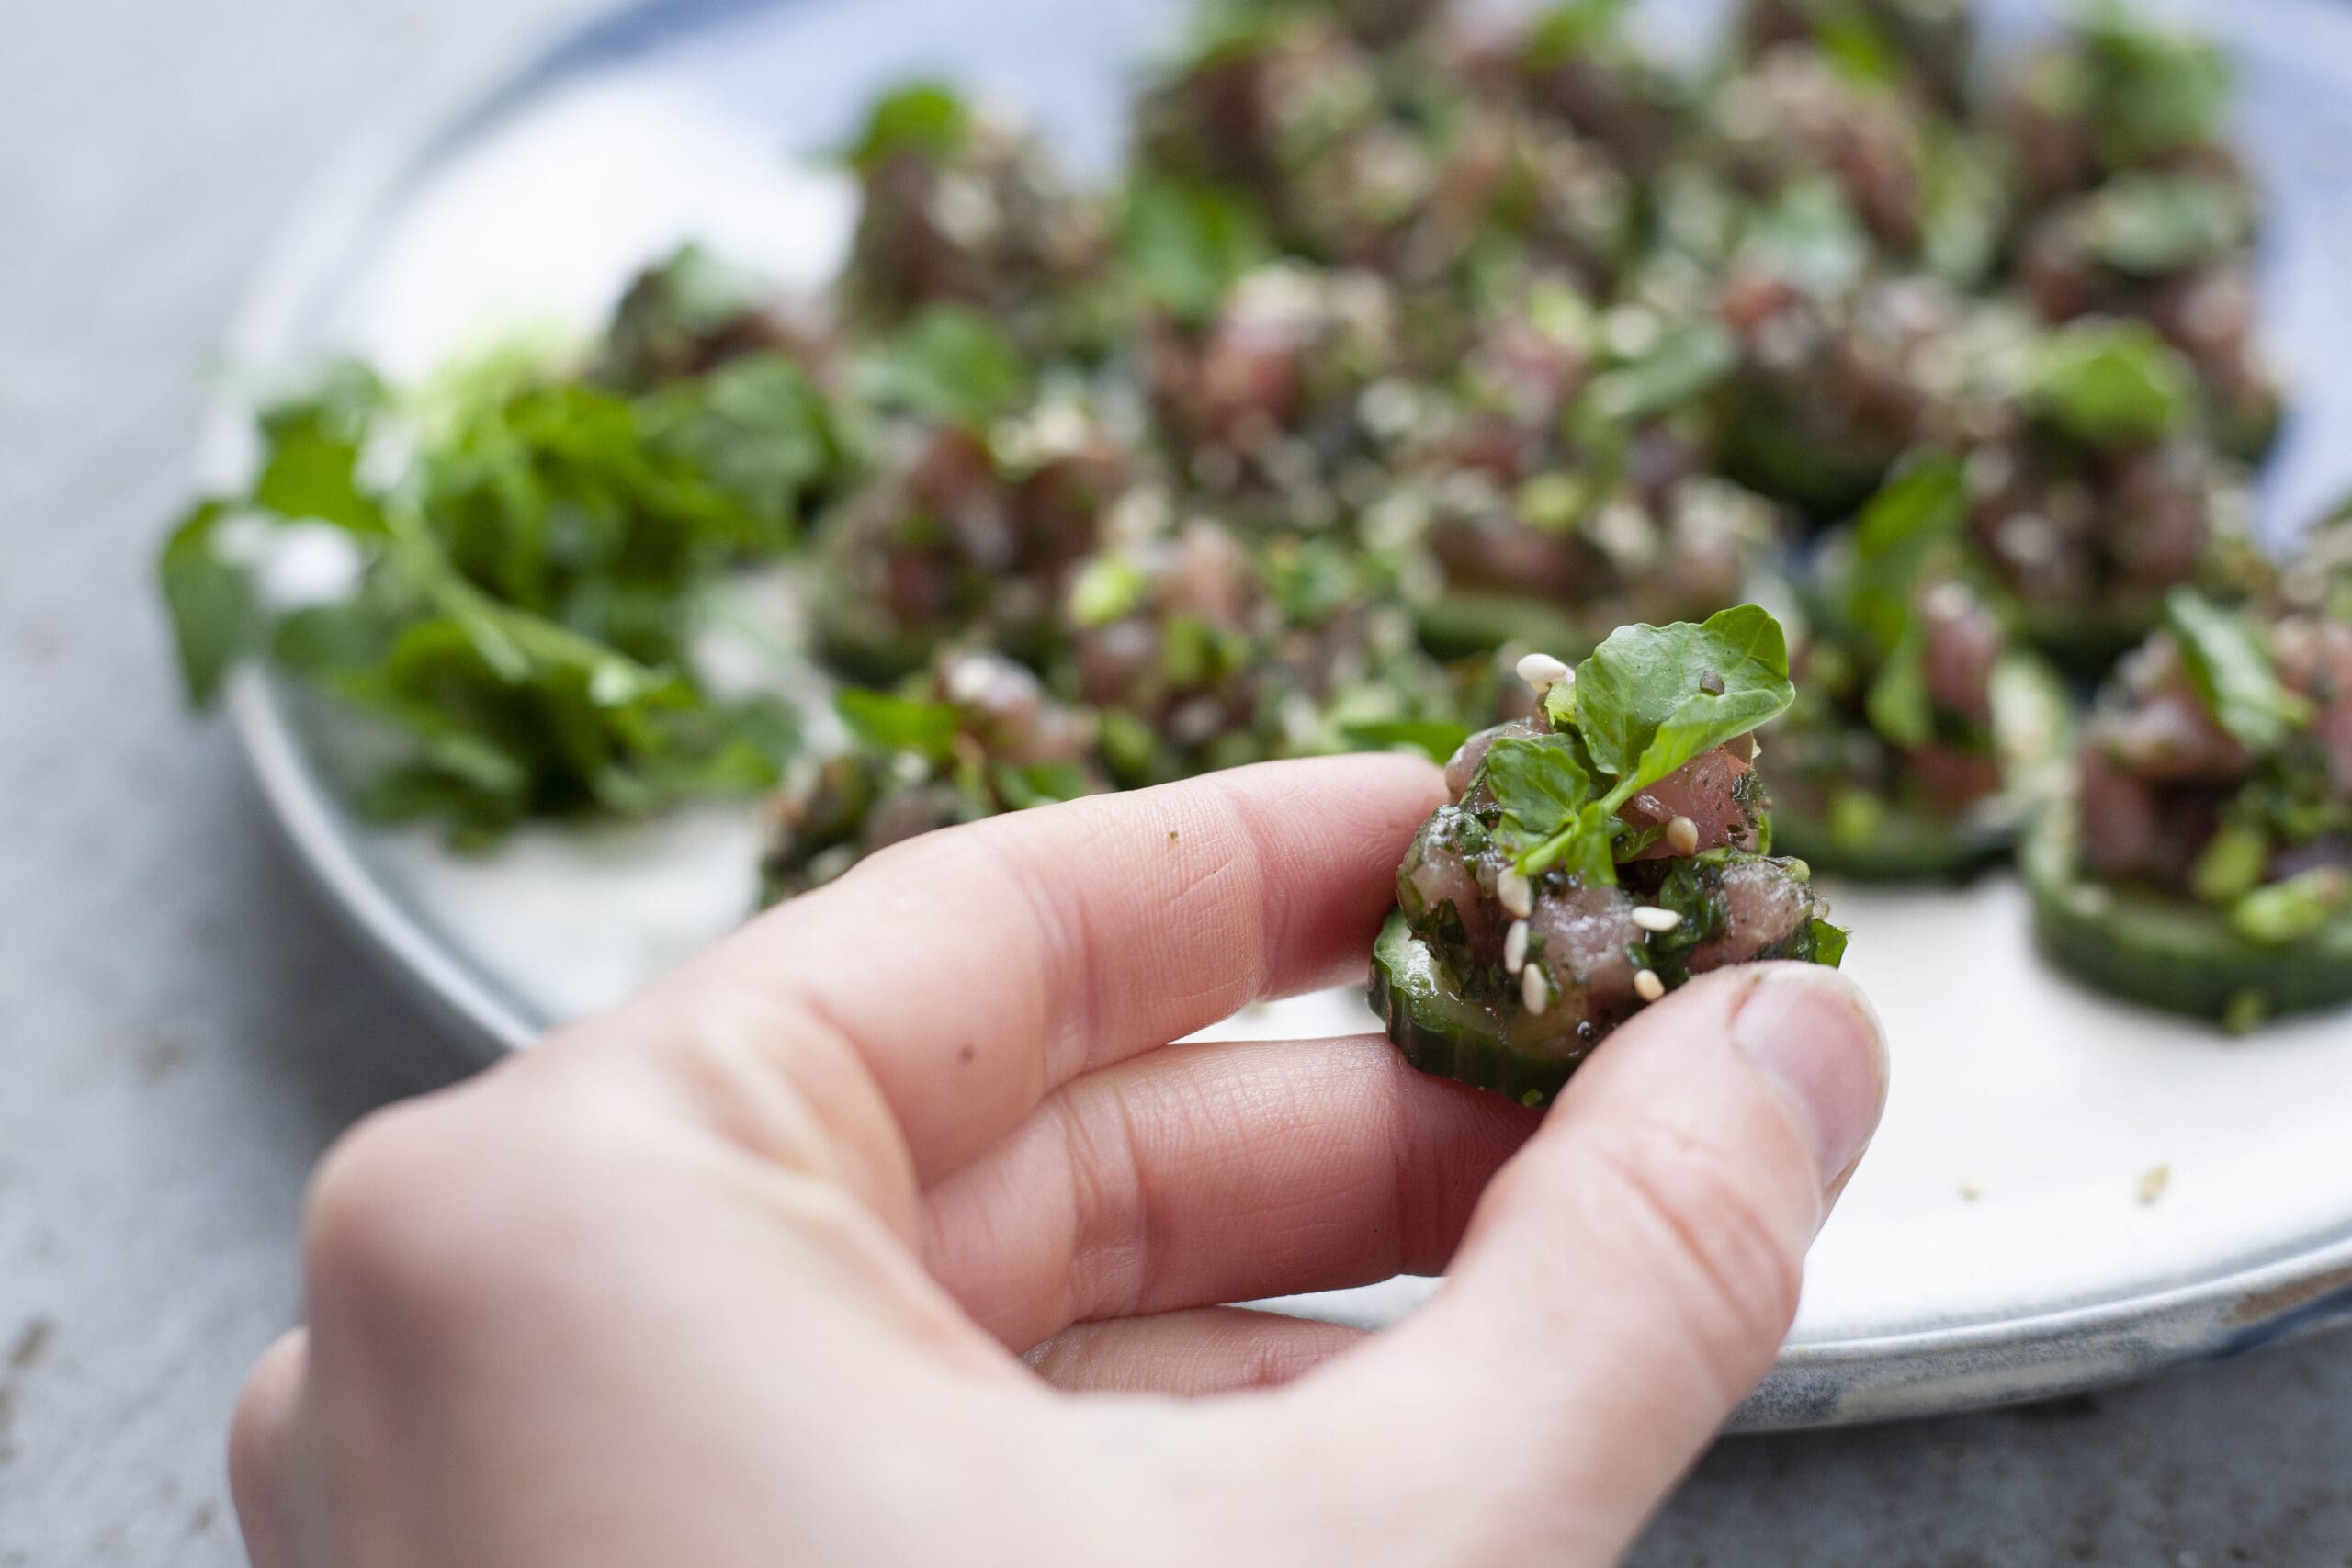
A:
x: 260, y: 1448
x: 1630, y: 1276
x: 976, y: 970
x: 1194, y: 1354
x: 1217, y: 1173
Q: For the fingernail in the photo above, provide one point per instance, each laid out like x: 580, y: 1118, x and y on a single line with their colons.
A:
x: 1812, y: 1035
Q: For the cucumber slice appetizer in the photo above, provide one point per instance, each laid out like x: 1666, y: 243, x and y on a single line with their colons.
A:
x: 2172, y: 953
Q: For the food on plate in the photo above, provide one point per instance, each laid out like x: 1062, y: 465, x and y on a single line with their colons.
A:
x: 510, y: 603
x: 1409, y: 337
x: 1596, y: 856
x: 1921, y: 727
x: 2202, y: 860
x: 2096, y: 490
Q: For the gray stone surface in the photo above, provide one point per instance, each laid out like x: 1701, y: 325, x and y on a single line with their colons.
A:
x: 182, y: 1026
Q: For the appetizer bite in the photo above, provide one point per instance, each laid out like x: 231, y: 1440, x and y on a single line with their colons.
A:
x: 2096, y: 490
x: 2202, y: 861
x: 1920, y: 727
x: 1594, y: 857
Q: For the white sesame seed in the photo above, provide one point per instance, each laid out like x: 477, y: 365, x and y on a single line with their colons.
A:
x: 1543, y: 671
x: 1516, y: 893
x: 1534, y: 991
x: 1682, y: 836
x: 1648, y: 986
x: 1515, y: 947
x: 1650, y: 917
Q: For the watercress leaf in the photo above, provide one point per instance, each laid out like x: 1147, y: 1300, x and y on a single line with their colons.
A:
x: 1584, y: 848
x: 758, y: 430
x: 1899, y: 530
x: 1687, y: 361
x: 215, y: 612
x: 2151, y: 88
x: 1898, y: 701
x: 1811, y: 237
x: 1040, y: 784
x: 1651, y: 698
x: 1435, y: 739
x: 898, y: 724
x: 922, y: 119
x: 2226, y: 660
x: 2149, y: 224
x: 1571, y: 30
x: 950, y: 364
x: 310, y: 474
x: 1184, y: 243
x: 1538, y: 782
x: 2289, y: 911
x: 2109, y: 382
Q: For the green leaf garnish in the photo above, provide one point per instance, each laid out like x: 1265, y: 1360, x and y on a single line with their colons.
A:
x: 2289, y: 911
x: 1185, y: 242
x: 1643, y: 702
x: 899, y: 724
x: 2226, y: 660
x: 216, y: 614
x: 922, y: 119
x: 1687, y: 360
x: 2150, y: 224
x: 1829, y: 943
x: 1649, y: 701
x: 949, y: 364
x: 1898, y: 533
x: 1538, y: 784
x: 2149, y: 88
x: 1438, y: 740
x: 2109, y: 382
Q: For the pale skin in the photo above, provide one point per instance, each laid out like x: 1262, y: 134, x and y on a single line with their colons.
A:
x: 891, y: 1230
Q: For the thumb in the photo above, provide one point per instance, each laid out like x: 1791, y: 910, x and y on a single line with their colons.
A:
x: 1629, y: 1276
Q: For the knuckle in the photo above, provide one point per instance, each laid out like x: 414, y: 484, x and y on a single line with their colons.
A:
x: 257, y: 1432
x: 407, y: 1223
x: 1732, y: 1264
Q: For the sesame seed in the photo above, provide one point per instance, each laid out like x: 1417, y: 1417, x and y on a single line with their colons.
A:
x: 1648, y: 986
x: 1534, y: 991
x: 1650, y: 917
x: 1516, y: 893
x: 1515, y: 947
x: 1682, y: 836
x: 1543, y: 671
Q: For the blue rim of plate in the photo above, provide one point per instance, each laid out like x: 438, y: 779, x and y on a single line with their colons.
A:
x: 1933, y: 1370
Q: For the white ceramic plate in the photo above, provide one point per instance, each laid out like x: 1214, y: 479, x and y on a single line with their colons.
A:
x: 1998, y: 1245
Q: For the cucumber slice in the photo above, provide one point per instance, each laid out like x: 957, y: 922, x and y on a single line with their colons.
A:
x: 1444, y: 1033
x: 2087, y: 642
x: 1472, y: 622
x: 1882, y: 842
x: 2171, y: 952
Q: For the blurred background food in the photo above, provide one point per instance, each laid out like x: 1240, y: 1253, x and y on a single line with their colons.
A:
x: 181, y: 1031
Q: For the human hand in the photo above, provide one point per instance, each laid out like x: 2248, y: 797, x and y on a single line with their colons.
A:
x: 743, y: 1272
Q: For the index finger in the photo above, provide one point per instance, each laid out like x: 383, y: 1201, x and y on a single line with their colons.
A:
x: 976, y: 970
